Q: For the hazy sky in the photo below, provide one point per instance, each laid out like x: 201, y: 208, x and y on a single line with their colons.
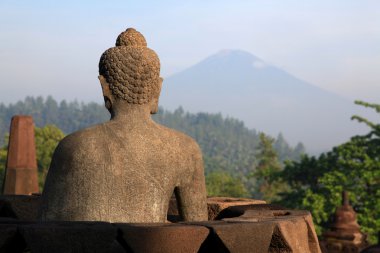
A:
x: 54, y: 48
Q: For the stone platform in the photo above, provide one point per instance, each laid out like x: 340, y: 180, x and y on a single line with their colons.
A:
x: 237, y: 228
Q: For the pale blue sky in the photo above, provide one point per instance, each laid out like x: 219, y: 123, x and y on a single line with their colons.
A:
x: 53, y: 48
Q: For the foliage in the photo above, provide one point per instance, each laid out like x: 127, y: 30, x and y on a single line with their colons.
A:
x: 3, y: 160
x: 227, y: 144
x: 220, y: 183
x: 268, y: 186
x: 316, y: 183
x: 67, y: 116
x: 285, y: 151
x: 47, y: 139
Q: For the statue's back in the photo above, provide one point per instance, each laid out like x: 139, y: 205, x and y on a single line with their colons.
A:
x: 119, y: 175
x: 126, y: 170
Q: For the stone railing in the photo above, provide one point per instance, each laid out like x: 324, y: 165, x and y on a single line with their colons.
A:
x: 239, y: 226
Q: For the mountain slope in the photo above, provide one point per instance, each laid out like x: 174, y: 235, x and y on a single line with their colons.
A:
x: 238, y: 84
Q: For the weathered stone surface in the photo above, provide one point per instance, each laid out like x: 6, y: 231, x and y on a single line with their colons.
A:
x: 262, y: 230
x: 71, y: 237
x: 10, y: 237
x: 20, y: 207
x: 293, y: 230
x: 238, y: 237
x: 296, y: 235
x: 312, y: 235
x: 373, y: 248
x: 126, y: 170
x: 163, y: 238
x: 21, y: 168
x: 344, y: 234
x: 217, y: 204
x: 7, y: 233
x: 257, y: 230
x: 25, y: 207
x: 278, y: 244
x: 240, y: 210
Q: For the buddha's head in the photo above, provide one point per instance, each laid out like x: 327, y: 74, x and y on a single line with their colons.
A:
x: 130, y: 73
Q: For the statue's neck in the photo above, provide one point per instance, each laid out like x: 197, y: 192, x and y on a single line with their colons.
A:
x: 131, y: 113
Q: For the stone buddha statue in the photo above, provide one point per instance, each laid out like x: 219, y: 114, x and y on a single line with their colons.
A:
x: 125, y: 170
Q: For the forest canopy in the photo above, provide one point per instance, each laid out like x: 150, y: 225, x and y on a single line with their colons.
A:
x: 228, y: 146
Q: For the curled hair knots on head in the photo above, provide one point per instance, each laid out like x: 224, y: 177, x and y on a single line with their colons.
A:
x: 131, y: 69
x: 131, y: 38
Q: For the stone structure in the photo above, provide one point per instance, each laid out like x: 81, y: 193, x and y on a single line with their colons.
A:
x: 21, y: 167
x: 344, y: 235
x: 109, y: 187
x: 126, y: 169
x: 257, y: 228
x: 215, y: 206
x: 235, y: 225
x: 374, y: 248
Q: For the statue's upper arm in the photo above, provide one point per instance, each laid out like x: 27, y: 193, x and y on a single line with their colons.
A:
x: 191, y: 194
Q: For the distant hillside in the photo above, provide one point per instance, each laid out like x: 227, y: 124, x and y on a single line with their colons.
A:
x: 238, y: 84
x: 227, y: 144
x: 68, y: 116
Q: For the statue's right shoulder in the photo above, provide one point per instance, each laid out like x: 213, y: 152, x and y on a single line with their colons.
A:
x: 183, y: 141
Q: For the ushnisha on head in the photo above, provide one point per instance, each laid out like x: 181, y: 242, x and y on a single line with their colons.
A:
x: 130, y: 72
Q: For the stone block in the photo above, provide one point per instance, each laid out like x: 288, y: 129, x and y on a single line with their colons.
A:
x: 240, y: 210
x: 239, y: 237
x: 217, y: 204
x: 7, y: 233
x: 71, y: 237
x: 20, y: 207
x: 163, y: 238
x: 295, y: 233
x: 21, y: 168
x: 294, y: 230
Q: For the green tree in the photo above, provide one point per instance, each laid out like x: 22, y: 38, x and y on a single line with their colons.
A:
x: 222, y: 184
x: 3, y: 160
x: 282, y: 148
x: 47, y: 139
x: 268, y: 185
x: 317, y: 183
x: 285, y: 151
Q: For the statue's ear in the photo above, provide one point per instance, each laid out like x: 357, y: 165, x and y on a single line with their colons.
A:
x: 160, y: 86
x: 105, y: 86
x: 154, y: 104
x: 107, y: 94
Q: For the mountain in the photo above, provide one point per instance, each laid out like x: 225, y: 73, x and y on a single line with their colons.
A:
x: 239, y: 84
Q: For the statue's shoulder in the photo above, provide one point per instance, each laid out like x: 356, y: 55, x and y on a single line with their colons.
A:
x: 82, y: 140
x: 180, y: 139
